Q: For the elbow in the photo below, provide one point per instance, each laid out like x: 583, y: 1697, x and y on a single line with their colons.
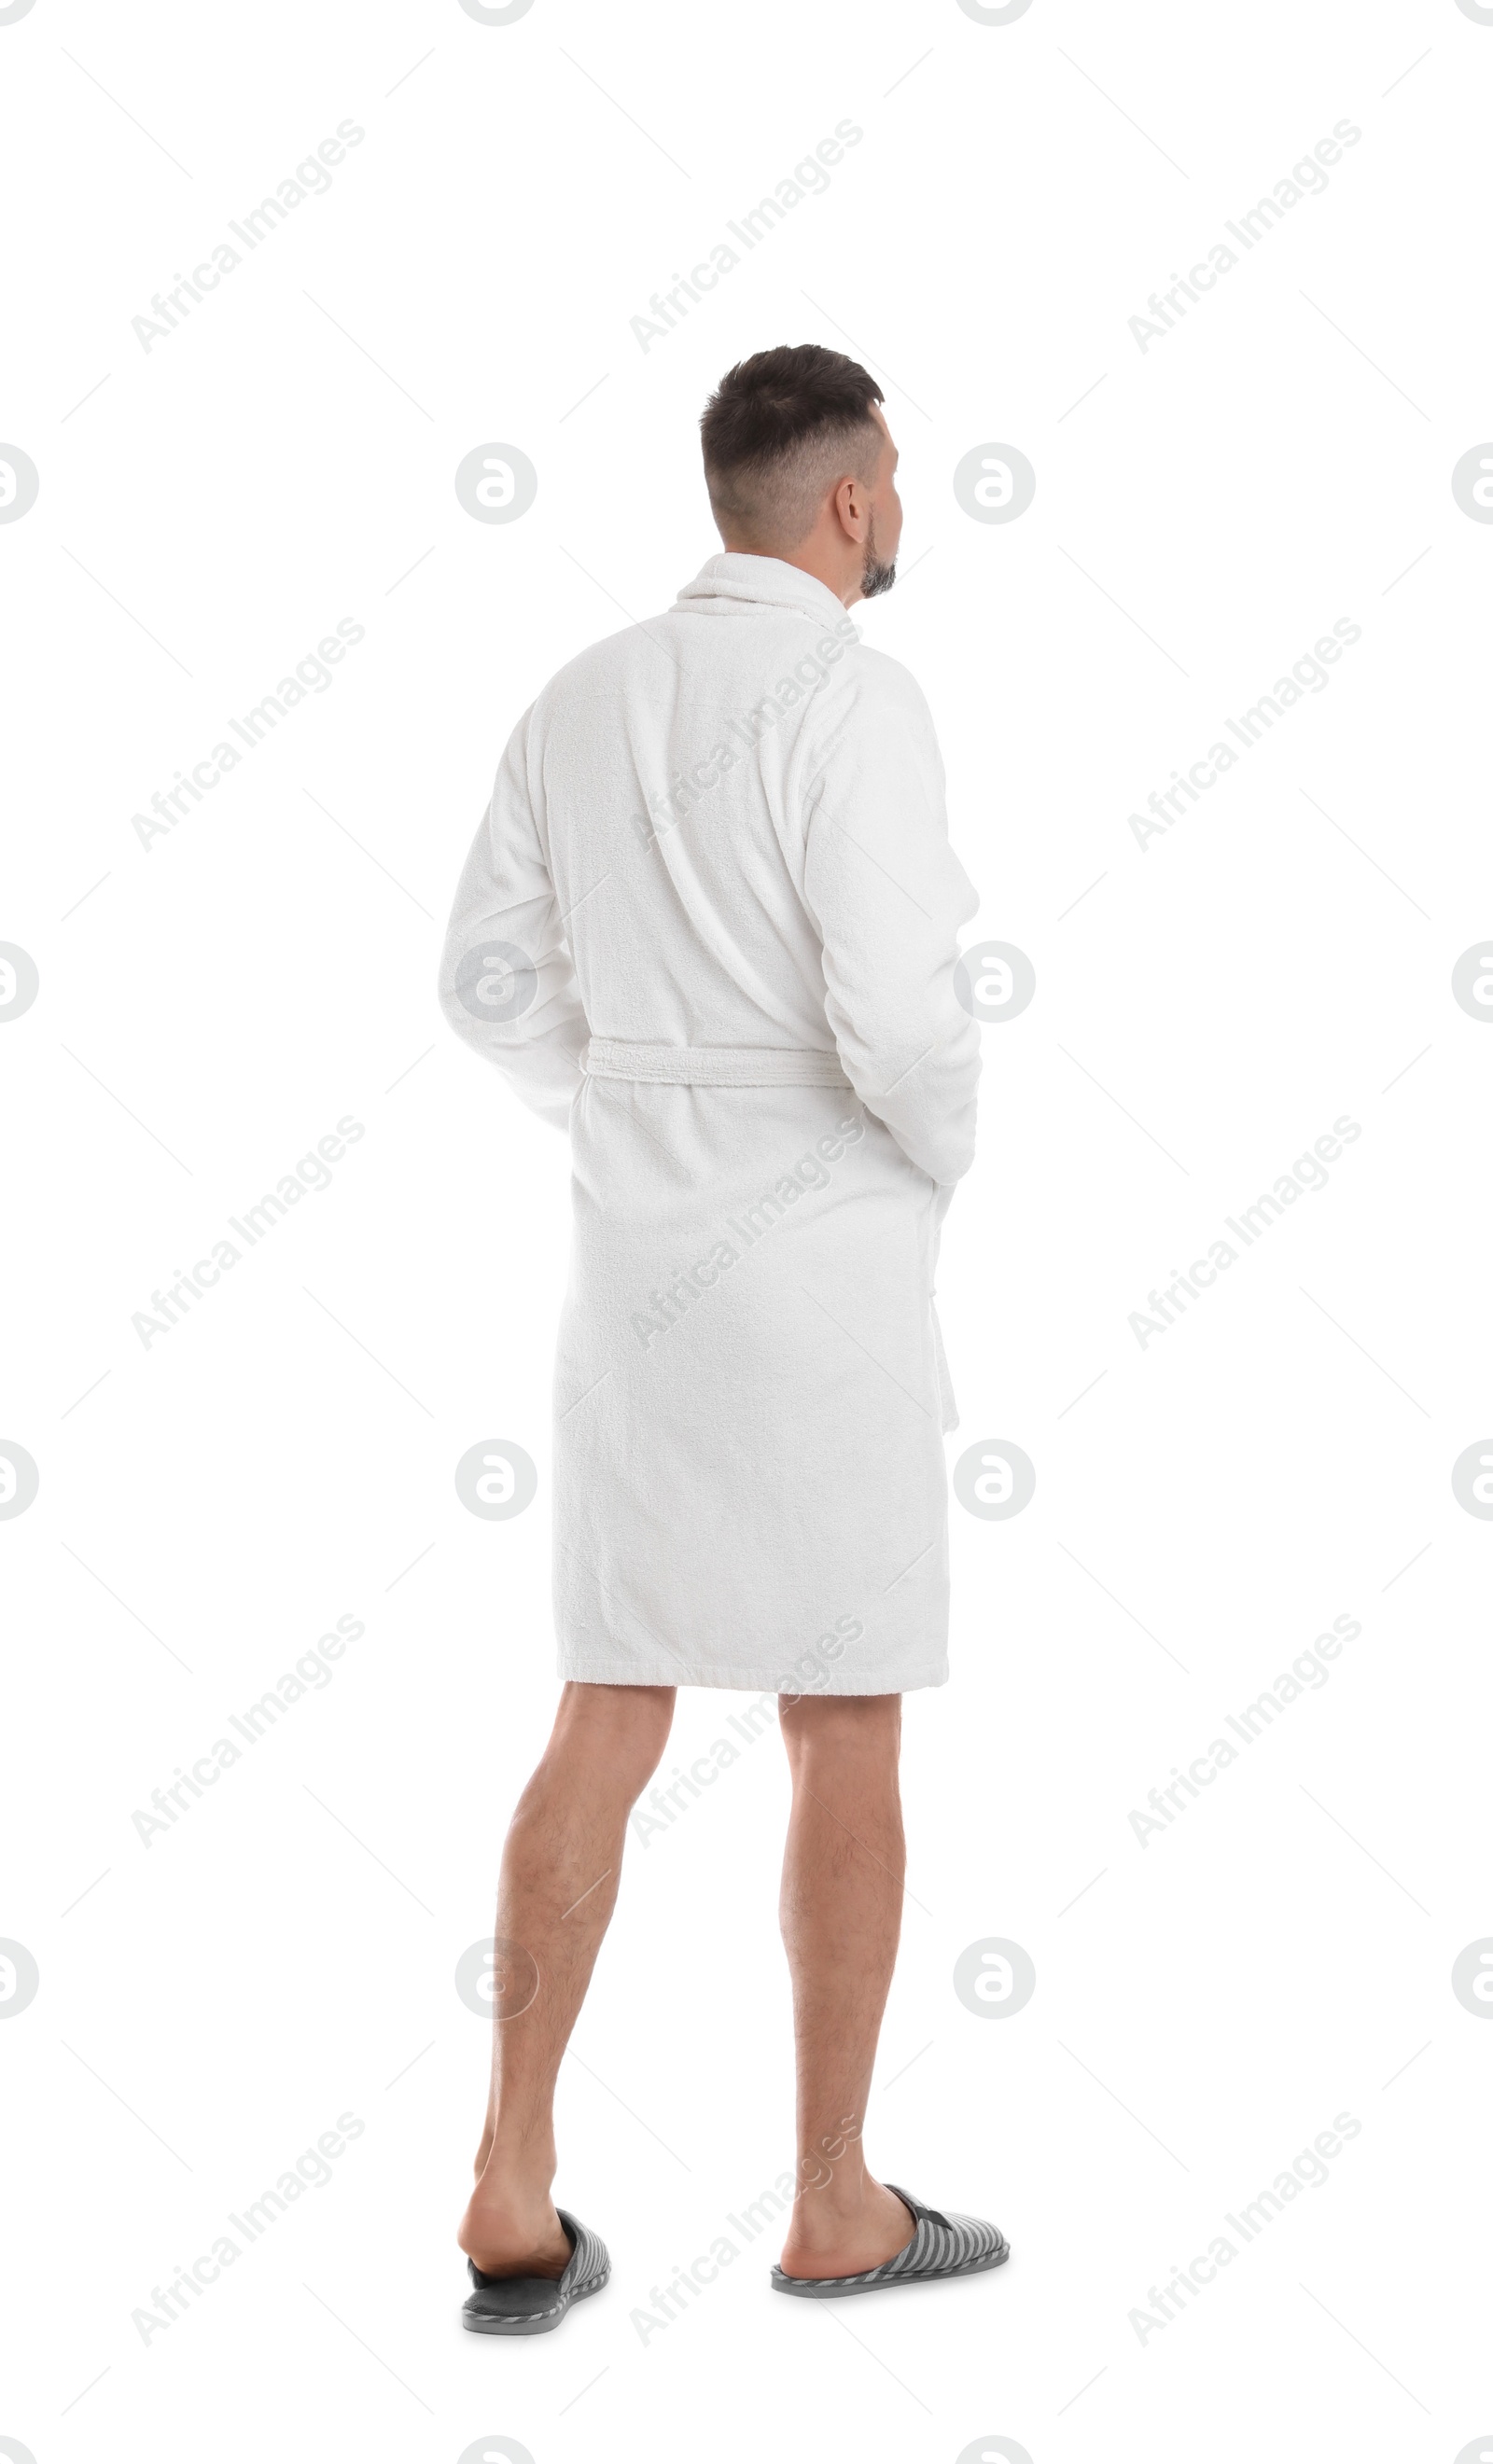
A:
x: 953, y: 1140
x: 447, y: 1000
x: 950, y: 1166
x: 453, y: 950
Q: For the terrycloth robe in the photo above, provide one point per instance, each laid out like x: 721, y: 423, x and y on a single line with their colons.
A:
x: 709, y: 924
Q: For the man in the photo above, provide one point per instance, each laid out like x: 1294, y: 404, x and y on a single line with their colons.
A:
x: 709, y: 924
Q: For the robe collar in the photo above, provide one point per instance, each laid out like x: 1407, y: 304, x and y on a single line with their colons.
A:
x: 764, y: 582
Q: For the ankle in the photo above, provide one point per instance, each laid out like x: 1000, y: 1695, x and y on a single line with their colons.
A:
x: 513, y: 2195
x: 822, y: 2210
x: 516, y: 2180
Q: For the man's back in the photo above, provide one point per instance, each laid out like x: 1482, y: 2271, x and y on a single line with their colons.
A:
x: 739, y: 810
x: 678, y: 764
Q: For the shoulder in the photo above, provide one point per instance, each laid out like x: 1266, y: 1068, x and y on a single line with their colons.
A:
x: 597, y: 664
x: 596, y: 674
x: 870, y: 696
x: 887, y: 680
x: 583, y: 708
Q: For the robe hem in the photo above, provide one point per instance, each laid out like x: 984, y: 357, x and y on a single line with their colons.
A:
x: 633, y: 1672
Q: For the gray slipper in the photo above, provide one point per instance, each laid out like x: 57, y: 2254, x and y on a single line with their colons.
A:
x: 533, y: 2306
x: 942, y: 2246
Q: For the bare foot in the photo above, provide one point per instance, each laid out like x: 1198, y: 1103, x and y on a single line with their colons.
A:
x: 501, y: 2239
x: 823, y: 2242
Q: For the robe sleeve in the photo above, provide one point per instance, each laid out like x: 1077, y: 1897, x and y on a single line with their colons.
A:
x: 888, y: 895
x: 507, y: 985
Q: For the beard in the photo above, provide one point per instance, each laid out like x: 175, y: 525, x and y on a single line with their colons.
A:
x: 876, y: 578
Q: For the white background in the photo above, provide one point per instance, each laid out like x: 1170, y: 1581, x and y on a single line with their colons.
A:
x: 1205, y: 510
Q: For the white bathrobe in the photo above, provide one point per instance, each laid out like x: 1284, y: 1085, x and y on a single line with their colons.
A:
x: 709, y: 924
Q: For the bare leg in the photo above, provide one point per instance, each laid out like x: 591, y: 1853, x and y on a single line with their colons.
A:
x: 841, y: 1913
x: 556, y: 1895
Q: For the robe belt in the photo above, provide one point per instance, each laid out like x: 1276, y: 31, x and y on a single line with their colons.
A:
x: 719, y: 1064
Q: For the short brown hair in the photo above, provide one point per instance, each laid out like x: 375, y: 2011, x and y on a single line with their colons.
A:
x: 773, y: 432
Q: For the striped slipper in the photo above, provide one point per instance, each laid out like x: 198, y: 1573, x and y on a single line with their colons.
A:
x: 942, y: 2246
x: 533, y: 2306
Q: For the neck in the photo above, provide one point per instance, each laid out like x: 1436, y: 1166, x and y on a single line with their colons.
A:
x: 810, y: 558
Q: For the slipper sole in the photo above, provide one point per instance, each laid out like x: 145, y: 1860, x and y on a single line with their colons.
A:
x: 808, y: 2288
x: 544, y: 2322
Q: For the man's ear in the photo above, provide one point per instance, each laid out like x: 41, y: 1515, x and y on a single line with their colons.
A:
x: 846, y: 506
